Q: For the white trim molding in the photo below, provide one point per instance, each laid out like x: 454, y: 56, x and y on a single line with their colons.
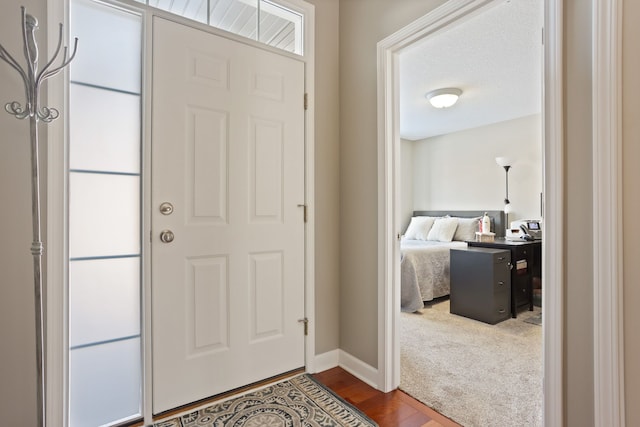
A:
x: 346, y: 361
x: 553, y: 231
x: 608, y: 339
x: 358, y: 368
x: 388, y: 194
x: 325, y: 361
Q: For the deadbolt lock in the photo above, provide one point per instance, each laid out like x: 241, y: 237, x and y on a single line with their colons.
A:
x: 166, y: 208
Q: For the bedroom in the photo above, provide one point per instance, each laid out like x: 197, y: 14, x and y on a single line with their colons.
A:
x: 448, y: 155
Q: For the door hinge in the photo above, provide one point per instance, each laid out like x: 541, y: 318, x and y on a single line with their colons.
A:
x: 306, y: 101
x: 306, y: 325
x: 304, y: 212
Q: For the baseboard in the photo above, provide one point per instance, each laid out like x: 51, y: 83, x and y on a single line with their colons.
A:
x: 325, y: 361
x: 349, y: 363
x: 358, y: 368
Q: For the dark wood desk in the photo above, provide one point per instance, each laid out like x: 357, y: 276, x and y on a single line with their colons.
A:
x: 526, y: 261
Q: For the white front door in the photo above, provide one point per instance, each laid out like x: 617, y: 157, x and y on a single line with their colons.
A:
x: 228, y: 155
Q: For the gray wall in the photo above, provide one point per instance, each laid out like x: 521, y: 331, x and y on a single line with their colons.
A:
x: 363, y: 23
x: 327, y: 177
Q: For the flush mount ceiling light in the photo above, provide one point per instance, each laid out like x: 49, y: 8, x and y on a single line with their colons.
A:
x: 443, y: 98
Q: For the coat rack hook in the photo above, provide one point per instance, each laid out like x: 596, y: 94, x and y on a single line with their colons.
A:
x: 32, y: 80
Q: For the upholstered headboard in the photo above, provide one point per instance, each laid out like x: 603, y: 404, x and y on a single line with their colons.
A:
x: 498, y: 224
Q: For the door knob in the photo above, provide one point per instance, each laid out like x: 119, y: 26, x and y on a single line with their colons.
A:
x: 166, y: 208
x: 167, y: 236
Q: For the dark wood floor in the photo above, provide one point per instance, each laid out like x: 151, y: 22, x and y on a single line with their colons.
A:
x: 393, y: 409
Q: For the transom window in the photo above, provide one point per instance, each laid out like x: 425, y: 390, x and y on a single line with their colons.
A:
x: 267, y: 22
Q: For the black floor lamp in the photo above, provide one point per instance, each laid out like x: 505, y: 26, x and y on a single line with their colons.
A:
x: 506, y: 163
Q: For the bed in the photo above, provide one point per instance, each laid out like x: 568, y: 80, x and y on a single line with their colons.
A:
x: 425, y: 249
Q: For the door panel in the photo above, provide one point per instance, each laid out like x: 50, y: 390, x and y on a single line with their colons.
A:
x: 228, y: 154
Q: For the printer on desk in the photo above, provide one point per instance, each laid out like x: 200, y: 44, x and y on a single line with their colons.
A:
x: 525, y: 229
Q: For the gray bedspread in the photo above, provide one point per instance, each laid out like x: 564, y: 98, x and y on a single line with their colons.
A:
x: 424, y: 271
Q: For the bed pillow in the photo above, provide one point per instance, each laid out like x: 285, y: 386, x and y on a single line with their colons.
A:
x: 467, y: 228
x: 419, y: 227
x: 443, y: 229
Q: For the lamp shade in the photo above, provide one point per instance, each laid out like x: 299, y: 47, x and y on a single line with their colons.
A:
x: 444, y: 98
x: 504, y: 161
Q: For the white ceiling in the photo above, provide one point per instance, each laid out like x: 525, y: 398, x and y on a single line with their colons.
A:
x: 495, y: 57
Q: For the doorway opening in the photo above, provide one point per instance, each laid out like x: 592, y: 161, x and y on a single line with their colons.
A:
x: 389, y: 190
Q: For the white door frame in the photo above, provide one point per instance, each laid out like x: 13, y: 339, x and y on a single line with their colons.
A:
x: 609, y: 406
x: 389, y: 182
x: 57, y: 230
x: 608, y: 331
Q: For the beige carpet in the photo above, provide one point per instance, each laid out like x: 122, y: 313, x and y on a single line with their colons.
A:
x: 477, y: 374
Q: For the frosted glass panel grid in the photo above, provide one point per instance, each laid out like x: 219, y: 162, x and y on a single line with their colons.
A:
x: 192, y: 9
x: 104, y: 215
x: 104, y: 300
x: 235, y: 16
x: 104, y: 129
x: 109, y: 46
x: 104, y: 383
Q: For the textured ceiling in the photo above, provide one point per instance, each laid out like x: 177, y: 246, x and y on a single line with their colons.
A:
x: 495, y: 57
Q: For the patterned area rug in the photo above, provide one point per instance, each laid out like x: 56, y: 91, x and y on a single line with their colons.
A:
x: 298, y: 401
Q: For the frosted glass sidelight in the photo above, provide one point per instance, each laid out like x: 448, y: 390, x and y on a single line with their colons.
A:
x: 109, y: 47
x: 104, y: 283
x: 236, y: 16
x: 104, y: 383
x: 107, y: 123
x: 104, y: 300
x: 104, y: 215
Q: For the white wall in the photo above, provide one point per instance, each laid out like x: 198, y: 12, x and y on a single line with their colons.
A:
x: 458, y: 171
x: 406, y: 189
